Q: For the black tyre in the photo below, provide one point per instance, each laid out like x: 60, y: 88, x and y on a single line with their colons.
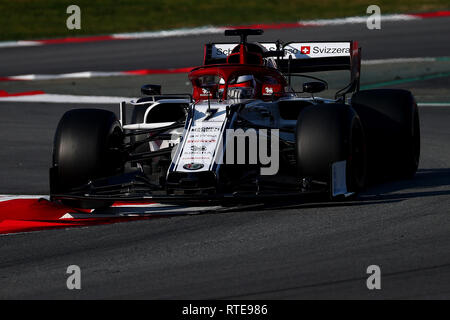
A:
x: 391, y: 122
x: 86, y: 147
x: 329, y: 133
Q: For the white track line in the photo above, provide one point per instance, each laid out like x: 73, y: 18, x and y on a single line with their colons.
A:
x: 399, y: 60
x: 433, y: 104
x: 20, y: 43
x: 65, y: 98
x: 74, y: 75
x: 89, y: 74
x: 359, y: 19
x: 8, y: 197
x: 168, y: 33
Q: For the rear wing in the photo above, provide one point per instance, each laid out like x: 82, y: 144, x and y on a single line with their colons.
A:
x: 302, y: 57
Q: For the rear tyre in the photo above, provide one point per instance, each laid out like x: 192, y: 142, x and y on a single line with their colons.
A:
x: 86, y: 147
x: 391, y: 121
x: 329, y: 133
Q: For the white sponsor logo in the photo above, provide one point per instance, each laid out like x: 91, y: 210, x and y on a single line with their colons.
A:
x: 200, y: 144
x: 222, y: 50
x: 205, y: 93
x: 268, y: 90
x: 295, y: 50
x: 317, y: 50
x: 206, y: 143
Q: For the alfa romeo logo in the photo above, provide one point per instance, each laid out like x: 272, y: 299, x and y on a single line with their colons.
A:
x: 193, y: 166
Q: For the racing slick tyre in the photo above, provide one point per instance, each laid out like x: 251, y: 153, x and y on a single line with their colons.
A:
x: 328, y: 133
x: 86, y: 146
x: 391, y: 122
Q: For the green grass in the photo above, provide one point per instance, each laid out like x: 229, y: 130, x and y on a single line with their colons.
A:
x: 33, y: 19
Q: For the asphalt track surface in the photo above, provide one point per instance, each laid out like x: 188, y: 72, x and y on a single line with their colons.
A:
x: 305, y: 251
x: 395, y: 39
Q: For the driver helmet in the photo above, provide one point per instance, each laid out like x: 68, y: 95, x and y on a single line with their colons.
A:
x: 242, y: 87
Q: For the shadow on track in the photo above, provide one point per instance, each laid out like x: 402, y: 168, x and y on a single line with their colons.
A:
x: 432, y: 179
x: 388, y: 192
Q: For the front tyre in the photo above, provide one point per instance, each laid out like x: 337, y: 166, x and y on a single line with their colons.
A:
x: 86, y: 146
x: 329, y: 133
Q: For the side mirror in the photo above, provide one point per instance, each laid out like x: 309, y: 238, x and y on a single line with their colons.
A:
x: 151, y: 89
x: 314, y: 86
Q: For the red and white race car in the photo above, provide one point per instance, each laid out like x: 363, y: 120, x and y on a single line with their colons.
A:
x: 245, y: 133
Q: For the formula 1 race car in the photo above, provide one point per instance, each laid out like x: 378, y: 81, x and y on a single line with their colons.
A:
x: 243, y: 134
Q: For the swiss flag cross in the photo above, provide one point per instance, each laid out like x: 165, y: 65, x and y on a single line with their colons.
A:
x: 305, y: 49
